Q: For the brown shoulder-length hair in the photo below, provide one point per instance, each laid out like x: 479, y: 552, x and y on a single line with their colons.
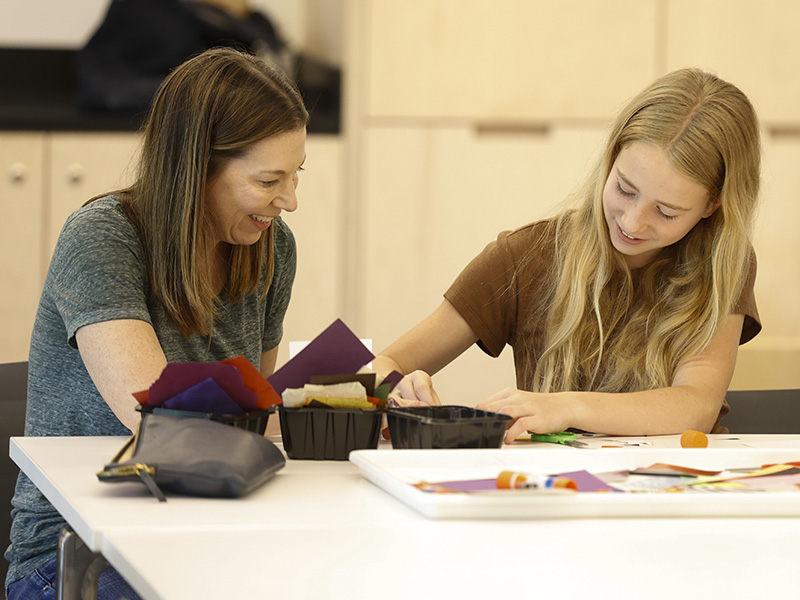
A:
x: 210, y: 109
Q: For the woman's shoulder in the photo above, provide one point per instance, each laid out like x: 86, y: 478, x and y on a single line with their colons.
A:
x: 100, y: 225
x: 106, y: 211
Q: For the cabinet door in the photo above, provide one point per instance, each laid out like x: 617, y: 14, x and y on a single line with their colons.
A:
x: 772, y: 358
x: 21, y: 215
x: 755, y: 45
x: 84, y: 165
x: 317, y: 227
x: 433, y: 199
x: 506, y: 59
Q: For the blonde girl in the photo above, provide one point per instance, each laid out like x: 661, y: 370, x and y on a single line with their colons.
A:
x: 625, y: 312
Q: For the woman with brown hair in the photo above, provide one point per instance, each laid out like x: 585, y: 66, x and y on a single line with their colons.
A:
x: 191, y: 263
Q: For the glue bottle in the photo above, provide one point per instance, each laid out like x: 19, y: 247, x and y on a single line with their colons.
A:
x: 512, y: 480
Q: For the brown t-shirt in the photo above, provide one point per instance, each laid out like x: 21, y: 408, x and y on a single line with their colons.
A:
x: 506, y: 305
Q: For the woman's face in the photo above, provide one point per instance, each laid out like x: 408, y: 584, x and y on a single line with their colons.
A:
x: 249, y: 191
x: 649, y: 205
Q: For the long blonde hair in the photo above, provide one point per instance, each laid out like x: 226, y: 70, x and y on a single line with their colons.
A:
x: 604, y: 333
x: 208, y: 110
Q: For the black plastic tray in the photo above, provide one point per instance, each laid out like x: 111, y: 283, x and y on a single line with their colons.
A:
x: 328, y: 433
x: 255, y: 421
x: 445, y: 427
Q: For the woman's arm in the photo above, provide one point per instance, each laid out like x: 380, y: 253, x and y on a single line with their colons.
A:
x: 425, y: 349
x: 267, y: 368
x: 268, y: 361
x: 692, y: 401
x: 122, y: 357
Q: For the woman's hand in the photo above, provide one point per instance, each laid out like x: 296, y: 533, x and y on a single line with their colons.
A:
x: 537, y: 413
x: 415, y: 389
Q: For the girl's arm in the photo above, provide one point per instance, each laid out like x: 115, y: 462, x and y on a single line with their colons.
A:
x: 692, y: 401
x: 424, y: 350
x: 122, y: 356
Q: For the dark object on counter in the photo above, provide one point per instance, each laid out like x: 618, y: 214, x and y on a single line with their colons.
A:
x: 445, y: 427
x: 195, y: 457
x: 328, y: 433
x: 255, y: 421
x: 140, y: 41
x: 108, y: 85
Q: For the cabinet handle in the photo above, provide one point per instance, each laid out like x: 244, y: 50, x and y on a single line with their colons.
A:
x: 784, y: 131
x: 75, y: 173
x: 534, y: 129
x: 17, y: 172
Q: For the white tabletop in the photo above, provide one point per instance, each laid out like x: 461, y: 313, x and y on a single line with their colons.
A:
x: 320, y: 530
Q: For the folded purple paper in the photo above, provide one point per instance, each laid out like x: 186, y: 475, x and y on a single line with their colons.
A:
x: 205, y: 397
x: 335, y: 351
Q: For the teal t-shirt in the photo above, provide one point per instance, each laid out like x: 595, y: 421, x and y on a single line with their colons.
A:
x: 98, y: 273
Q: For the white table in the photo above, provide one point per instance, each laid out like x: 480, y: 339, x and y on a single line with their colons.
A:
x: 319, y: 530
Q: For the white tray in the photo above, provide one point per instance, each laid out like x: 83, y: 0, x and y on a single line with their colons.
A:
x: 394, y: 471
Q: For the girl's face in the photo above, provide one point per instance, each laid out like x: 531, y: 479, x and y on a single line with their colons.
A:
x: 649, y: 205
x: 254, y: 188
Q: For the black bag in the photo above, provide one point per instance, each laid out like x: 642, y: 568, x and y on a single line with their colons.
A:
x: 196, y: 457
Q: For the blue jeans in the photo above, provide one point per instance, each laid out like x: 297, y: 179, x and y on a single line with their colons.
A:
x: 41, y: 585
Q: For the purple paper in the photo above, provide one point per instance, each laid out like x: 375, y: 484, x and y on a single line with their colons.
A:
x: 177, y: 377
x: 205, y: 397
x: 465, y: 485
x: 335, y: 351
x: 587, y: 482
x: 393, y: 379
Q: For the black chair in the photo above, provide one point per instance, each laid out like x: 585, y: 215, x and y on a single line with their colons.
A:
x: 763, y: 411
x: 13, y: 394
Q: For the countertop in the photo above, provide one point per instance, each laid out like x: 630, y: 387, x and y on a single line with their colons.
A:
x: 38, y: 93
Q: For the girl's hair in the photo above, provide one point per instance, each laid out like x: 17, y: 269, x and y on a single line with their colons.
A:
x: 604, y: 333
x: 210, y: 109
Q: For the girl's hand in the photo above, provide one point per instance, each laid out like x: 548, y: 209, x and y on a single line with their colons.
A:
x: 537, y: 413
x: 415, y: 389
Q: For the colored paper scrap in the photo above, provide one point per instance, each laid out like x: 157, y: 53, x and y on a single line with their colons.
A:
x: 672, y: 470
x: 255, y: 381
x: 179, y: 376
x: 206, y: 397
x: 465, y: 485
x: 365, y: 379
x: 334, y: 351
x: 586, y: 483
x: 392, y: 379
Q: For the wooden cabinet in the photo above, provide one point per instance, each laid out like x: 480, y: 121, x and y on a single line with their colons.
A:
x: 753, y: 44
x: 47, y: 176
x: 21, y: 239
x: 506, y: 60
x: 771, y: 360
x: 81, y: 166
